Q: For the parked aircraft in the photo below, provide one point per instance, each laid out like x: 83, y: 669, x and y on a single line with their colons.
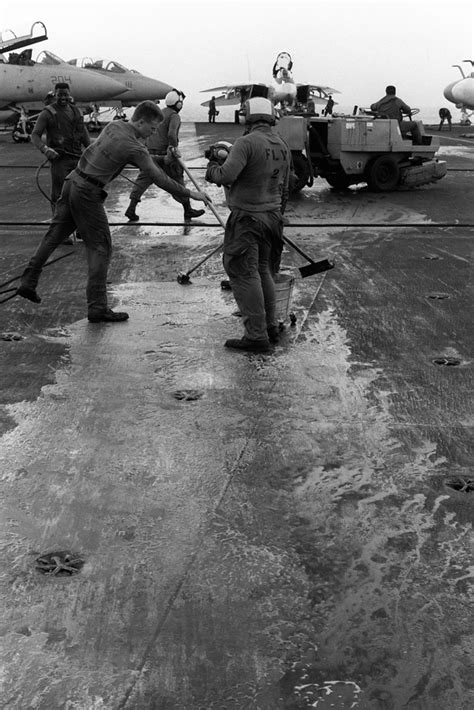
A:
x: 282, y: 90
x: 24, y: 83
x: 461, y: 93
x: 138, y: 87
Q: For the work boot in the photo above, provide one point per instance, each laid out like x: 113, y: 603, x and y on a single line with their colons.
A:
x: 130, y: 212
x: 252, y: 346
x: 190, y: 213
x: 108, y: 316
x: 273, y: 334
x: 28, y: 293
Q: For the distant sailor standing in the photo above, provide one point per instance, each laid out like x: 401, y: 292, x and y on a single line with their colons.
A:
x: 81, y: 205
x: 329, y: 106
x: 212, y: 110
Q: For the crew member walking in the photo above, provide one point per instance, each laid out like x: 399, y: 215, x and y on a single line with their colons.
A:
x: 81, y: 205
x: 163, y: 146
x: 256, y: 173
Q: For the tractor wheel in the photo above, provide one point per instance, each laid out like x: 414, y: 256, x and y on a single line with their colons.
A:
x: 302, y: 171
x: 383, y: 174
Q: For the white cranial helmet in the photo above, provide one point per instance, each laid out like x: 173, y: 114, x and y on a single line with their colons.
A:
x: 173, y: 97
x: 259, y: 109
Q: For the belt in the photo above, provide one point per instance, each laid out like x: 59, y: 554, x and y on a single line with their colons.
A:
x: 89, y: 178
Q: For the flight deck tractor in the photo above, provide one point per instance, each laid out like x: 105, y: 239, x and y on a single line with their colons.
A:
x: 348, y: 150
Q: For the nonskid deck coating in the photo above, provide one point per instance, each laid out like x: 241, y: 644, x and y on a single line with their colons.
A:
x: 287, y: 539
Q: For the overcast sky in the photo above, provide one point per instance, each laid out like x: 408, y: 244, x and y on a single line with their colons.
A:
x: 356, y: 46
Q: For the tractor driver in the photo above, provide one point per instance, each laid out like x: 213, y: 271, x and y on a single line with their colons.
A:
x: 391, y: 106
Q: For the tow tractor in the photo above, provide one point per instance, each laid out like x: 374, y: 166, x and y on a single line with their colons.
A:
x: 347, y: 150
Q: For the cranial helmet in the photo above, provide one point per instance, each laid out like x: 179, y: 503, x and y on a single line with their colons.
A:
x: 259, y: 109
x: 173, y: 97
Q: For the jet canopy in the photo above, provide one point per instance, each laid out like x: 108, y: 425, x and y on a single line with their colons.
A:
x: 49, y: 59
x: 108, y: 65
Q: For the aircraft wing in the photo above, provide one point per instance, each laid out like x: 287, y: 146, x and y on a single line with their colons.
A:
x: 233, y: 94
x: 224, y: 100
x: 320, y: 90
x: 233, y: 87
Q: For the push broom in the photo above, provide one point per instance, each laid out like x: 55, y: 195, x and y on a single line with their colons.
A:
x: 314, y: 267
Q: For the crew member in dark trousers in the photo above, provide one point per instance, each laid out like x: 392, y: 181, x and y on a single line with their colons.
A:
x: 81, y: 205
x: 163, y: 146
x: 445, y: 115
x: 327, y: 111
x: 66, y: 135
x: 255, y: 174
x: 212, y: 110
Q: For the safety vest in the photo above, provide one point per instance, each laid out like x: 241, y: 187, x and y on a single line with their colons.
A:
x: 64, y: 134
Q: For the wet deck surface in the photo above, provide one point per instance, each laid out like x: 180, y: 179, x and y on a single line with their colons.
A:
x: 280, y: 531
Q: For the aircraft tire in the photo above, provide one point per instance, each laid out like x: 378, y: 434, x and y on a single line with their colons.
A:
x: 383, y: 174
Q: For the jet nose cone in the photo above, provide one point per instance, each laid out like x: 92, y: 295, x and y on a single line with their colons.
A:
x: 448, y: 92
x: 463, y: 91
x: 145, y: 88
x: 86, y: 86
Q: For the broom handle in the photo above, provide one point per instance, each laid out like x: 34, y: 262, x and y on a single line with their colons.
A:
x: 209, y: 203
x: 221, y: 221
x: 296, y: 248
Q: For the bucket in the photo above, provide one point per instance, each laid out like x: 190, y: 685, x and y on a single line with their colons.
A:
x: 284, y: 284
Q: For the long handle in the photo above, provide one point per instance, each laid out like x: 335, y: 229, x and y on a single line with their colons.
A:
x: 221, y: 221
x: 191, y: 177
x: 300, y: 251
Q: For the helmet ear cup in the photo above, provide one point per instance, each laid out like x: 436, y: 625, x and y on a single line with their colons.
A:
x: 173, y: 98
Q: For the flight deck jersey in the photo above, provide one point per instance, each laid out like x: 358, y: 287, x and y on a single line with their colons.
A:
x: 116, y: 146
x: 64, y: 128
x: 391, y: 106
x: 257, y: 172
x: 166, y: 134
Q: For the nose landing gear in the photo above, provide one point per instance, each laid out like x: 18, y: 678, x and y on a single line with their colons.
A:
x: 22, y: 131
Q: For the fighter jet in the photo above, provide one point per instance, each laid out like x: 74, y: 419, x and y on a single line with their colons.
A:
x: 287, y: 95
x: 461, y: 93
x: 136, y: 87
x: 24, y: 83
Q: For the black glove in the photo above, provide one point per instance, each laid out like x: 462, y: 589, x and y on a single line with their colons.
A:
x: 218, y: 152
x: 211, y: 164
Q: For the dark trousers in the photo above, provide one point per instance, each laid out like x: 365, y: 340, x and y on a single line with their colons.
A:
x: 60, y: 169
x: 173, y: 169
x: 251, y: 256
x: 81, y: 207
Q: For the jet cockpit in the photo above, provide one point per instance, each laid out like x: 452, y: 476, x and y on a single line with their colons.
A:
x: 108, y: 65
